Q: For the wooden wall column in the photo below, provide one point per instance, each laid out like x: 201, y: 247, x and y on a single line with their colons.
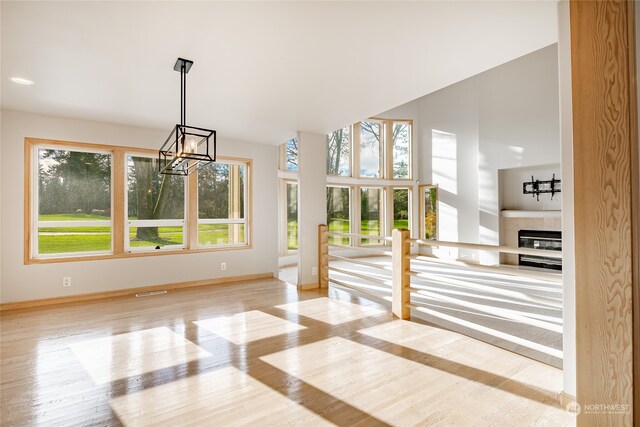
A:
x: 605, y: 144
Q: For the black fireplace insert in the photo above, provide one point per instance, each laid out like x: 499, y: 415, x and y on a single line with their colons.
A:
x: 544, y: 240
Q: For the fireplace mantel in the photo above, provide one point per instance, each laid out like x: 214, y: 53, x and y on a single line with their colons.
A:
x: 529, y: 214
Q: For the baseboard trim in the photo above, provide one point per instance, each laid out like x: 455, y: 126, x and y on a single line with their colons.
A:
x: 308, y: 286
x: 129, y: 291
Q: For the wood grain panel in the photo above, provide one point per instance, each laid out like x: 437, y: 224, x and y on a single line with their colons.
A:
x: 603, y: 146
x: 635, y: 184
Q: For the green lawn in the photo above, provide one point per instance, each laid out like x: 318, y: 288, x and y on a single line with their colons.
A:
x: 91, y: 239
x: 292, y: 235
x: 73, y: 217
x: 218, y: 234
x: 63, y: 243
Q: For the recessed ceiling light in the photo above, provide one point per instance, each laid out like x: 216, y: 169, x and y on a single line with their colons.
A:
x: 21, y: 81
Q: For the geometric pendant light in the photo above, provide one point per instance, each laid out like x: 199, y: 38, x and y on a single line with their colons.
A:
x: 187, y: 148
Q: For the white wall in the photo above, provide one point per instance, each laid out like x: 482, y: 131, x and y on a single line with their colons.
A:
x: 506, y: 117
x: 26, y: 282
x: 568, y: 235
x: 312, y: 203
x: 512, y: 197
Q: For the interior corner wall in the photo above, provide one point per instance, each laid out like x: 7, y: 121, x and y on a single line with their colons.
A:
x: 568, y: 239
x: 312, y: 203
x: 22, y: 282
x: 503, y: 118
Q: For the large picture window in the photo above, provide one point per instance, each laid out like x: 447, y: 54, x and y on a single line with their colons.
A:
x: 72, y: 202
x: 221, y: 207
x: 155, y: 207
x: 86, y: 201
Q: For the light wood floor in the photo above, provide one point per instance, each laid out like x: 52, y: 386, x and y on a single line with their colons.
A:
x: 259, y: 353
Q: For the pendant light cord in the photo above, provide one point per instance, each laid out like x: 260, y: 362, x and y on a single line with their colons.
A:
x: 183, y: 95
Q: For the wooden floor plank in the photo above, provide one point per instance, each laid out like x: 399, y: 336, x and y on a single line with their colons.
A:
x: 259, y: 353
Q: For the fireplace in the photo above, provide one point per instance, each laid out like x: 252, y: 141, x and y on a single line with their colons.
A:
x: 540, y: 239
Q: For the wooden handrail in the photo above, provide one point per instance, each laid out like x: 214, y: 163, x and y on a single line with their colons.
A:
x: 532, y: 274
x: 362, y: 236
x: 385, y: 282
x: 366, y: 264
x: 460, y: 245
x: 496, y: 248
x: 380, y: 252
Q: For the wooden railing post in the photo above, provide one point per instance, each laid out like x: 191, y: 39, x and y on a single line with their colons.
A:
x: 323, y: 256
x: 400, y: 276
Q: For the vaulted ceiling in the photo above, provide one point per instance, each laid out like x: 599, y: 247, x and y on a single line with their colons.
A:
x: 262, y: 69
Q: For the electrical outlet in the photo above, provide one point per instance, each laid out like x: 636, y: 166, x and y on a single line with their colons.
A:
x: 223, y: 266
x: 314, y: 271
x: 66, y: 282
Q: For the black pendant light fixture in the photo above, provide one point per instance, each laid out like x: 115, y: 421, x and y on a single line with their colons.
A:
x: 187, y: 148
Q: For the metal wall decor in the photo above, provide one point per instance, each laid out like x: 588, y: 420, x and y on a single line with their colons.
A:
x: 187, y: 148
x: 537, y: 187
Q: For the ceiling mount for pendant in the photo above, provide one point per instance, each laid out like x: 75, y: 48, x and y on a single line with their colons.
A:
x: 188, y: 147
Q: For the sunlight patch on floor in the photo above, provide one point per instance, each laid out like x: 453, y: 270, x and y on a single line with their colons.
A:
x: 226, y: 396
x: 248, y: 326
x: 331, y: 311
x: 121, y: 356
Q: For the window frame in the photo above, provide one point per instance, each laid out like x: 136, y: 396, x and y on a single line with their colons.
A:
x: 229, y: 221
x: 34, y: 221
x: 352, y: 162
x: 283, y: 216
x: 118, y: 204
x: 352, y: 211
x: 386, y: 182
x: 151, y: 222
x: 422, y: 228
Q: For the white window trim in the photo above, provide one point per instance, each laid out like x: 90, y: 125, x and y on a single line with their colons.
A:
x: 134, y: 223
x: 230, y: 221
x: 36, y: 224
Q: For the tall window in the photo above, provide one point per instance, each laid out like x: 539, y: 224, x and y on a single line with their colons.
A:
x: 72, y: 202
x: 371, y: 149
x: 371, y: 214
x: 221, y: 207
x: 401, y: 208
x: 339, y: 152
x: 292, y: 215
x: 155, y: 206
x: 401, y: 150
x: 291, y: 155
x: 429, y: 208
x: 338, y: 214
x: 371, y: 161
